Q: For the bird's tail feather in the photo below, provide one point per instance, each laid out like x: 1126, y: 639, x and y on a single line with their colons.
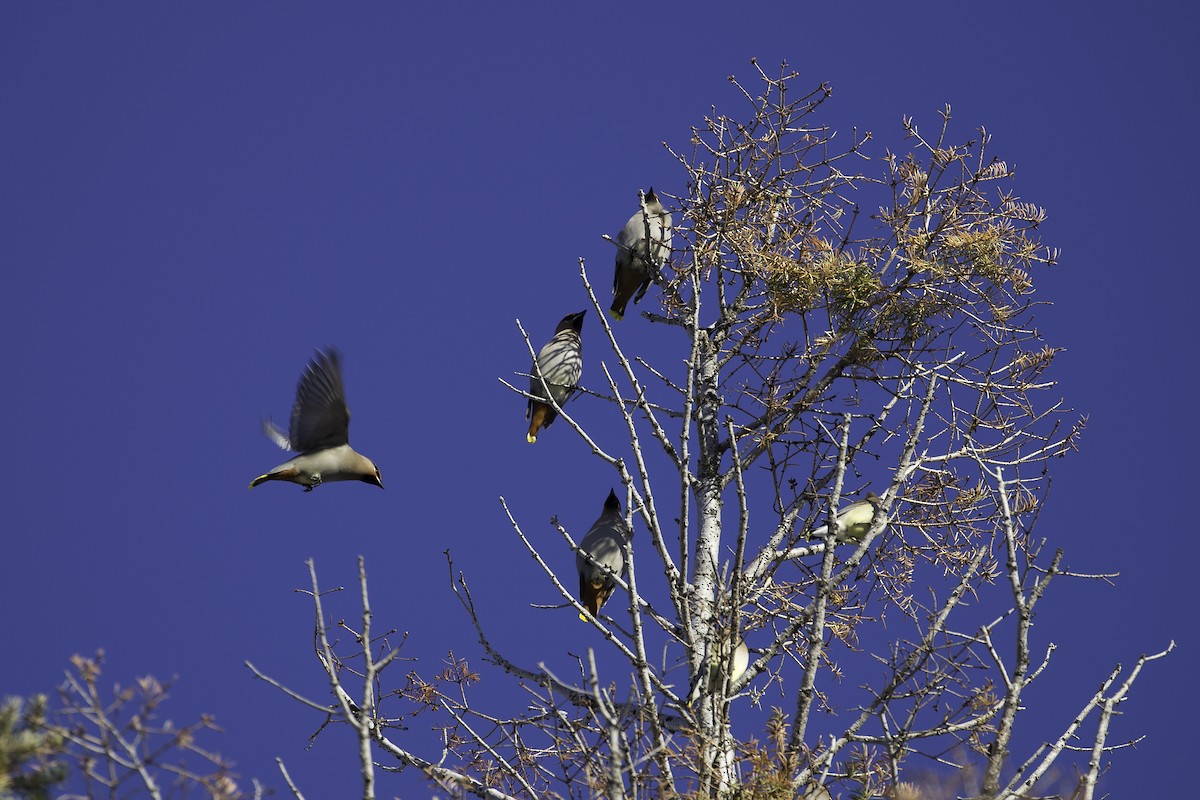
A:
x: 272, y: 432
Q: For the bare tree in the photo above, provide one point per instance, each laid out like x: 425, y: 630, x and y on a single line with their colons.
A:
x: 121, y: 744
x: 846, y: 321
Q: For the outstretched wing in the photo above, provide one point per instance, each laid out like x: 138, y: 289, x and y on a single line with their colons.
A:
x: 320, y: 418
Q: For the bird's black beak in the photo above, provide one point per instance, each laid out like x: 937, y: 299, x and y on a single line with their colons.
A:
x: 374, y: 480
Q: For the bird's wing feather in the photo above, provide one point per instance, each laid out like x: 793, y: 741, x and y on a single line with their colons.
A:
x: 320, y: 418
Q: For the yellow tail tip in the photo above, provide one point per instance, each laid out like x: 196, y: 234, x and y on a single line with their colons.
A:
x: 617, y: 315
x: 583, y: 617
x: 529, y: 437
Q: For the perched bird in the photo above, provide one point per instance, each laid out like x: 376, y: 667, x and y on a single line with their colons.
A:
x: 720, y: 659
x: 854, y: 520
x: 639, y: 258
x: 603, y: 542
x: 319, y: 431
x: 560, y: 363
x: 719, y: 663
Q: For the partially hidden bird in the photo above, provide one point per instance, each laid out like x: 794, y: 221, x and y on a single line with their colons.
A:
x: 854, y: 520
x: 720, y: 661
x: 319, y: 431
x: 603, y: 541
x: 559, y: 363
x: 643, y: 246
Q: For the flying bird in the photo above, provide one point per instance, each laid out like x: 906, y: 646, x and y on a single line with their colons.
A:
x: 560, y: 363
x: 639, y: 257
x: 320, y: 432
x: 603, y: 542
x: 854, y: 520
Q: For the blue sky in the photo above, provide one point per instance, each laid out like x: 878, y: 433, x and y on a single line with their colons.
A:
x: 194, y: 198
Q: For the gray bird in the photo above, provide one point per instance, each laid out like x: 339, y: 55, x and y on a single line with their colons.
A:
x: 638, y: 261
x: 854, y: 520
x: 320, y: 431
x: 560, y: 363
x: 603, y: 542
